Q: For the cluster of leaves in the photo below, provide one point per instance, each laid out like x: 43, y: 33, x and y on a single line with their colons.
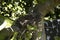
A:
x: 53, y: 14
x: 15, y: 8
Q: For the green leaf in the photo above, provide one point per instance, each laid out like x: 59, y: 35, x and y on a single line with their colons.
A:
x: 14, y: 36
x: 5, y: 22
x: 29, y: 27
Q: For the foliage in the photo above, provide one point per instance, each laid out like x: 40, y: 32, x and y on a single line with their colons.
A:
x: 15, y: 8
x: 11, y: 10
x: 53, y: 15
